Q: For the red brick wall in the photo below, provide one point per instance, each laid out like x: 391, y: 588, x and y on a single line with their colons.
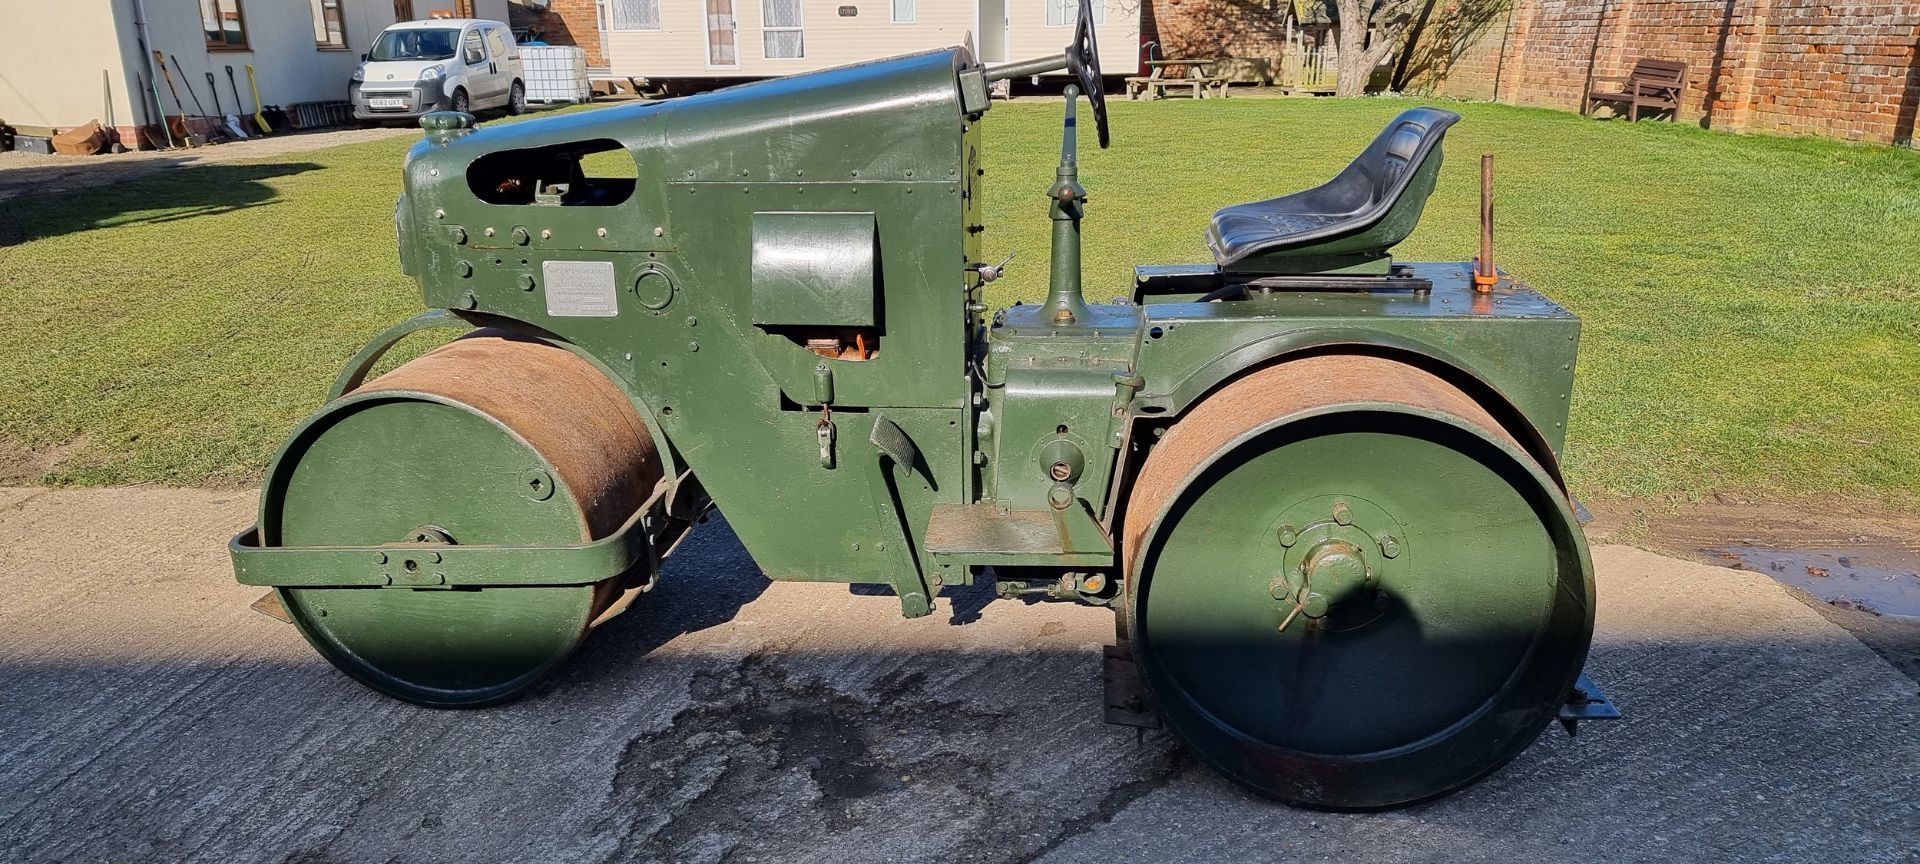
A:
x: 1217, y: 28
x: 574, y: 22
x: 1838, y: 68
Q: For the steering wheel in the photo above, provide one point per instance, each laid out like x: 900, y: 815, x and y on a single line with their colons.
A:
x: 1083, y: 59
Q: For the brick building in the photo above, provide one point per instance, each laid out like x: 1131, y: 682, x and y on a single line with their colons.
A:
x: 1843, y: 69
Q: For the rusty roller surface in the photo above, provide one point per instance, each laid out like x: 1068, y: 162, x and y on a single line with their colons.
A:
x: 1377, y: 602
x: 487, y: 440
x: 567, y: 410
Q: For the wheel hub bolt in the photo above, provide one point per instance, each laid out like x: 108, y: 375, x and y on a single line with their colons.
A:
x: 1389, y: 545
x: 1287, y: 536
x: 1341, y: 514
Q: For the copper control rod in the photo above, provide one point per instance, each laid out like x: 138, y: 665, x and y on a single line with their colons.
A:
x: 1484, y: 276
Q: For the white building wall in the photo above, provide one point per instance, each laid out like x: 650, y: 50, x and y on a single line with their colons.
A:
x: 678, y: 48
x: 50, y: 67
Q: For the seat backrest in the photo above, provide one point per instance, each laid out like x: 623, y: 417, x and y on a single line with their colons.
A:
x: 1364, y: 210
x: 1655, y: 71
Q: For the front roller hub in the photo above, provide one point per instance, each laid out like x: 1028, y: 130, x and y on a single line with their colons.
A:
x: 1351, y: 587
x: 488, y: 440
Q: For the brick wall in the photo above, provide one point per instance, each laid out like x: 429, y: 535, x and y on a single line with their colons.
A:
x: 1834, y: 68
x: 1846, y: 69
x: 1217, y: 28
x: 573, y: 22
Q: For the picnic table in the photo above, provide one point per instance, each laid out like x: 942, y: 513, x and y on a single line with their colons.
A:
x: 1195, y: 75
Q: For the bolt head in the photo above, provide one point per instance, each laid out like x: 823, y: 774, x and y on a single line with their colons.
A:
x: 1288, y: 536
x: 1341, y: 513
x: 1389, y: 545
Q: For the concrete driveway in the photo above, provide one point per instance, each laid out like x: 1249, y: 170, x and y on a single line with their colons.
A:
x: 147, y: 715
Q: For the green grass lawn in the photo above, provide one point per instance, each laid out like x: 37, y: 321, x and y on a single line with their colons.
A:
x: 1750, y: 319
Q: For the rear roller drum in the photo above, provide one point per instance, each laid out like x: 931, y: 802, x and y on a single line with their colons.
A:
x: 489, y: 439
x: 1352, y: 588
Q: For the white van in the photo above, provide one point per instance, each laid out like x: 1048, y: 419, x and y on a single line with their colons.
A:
x: 445, y: 64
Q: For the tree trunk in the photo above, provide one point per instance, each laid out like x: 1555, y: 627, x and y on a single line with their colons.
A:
x: 1357, y: 58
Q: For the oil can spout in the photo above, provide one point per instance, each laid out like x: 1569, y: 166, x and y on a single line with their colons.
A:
x: 1066, y: 204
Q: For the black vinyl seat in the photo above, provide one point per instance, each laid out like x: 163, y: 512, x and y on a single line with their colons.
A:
x: 1358, y: 215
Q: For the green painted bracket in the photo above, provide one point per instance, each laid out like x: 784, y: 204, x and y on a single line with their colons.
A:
x: 909, y: 582
x: 362, y: 363
x: 432, y: 565
x: 428, y: 565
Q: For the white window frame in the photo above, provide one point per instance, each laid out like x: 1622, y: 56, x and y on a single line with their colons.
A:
x: 766, y: 28
x: 615, y: 21
x: 913, y: 12
x: 1070, y: 10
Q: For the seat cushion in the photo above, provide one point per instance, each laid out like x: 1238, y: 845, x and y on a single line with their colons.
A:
x: 1352, y: 202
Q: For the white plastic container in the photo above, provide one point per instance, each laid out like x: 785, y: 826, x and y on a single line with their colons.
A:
x: 556, y: 73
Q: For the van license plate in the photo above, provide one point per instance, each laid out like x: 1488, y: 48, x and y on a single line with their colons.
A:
x: 386, y: 103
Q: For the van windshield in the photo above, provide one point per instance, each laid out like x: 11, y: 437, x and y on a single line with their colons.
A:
x: 414, y: 44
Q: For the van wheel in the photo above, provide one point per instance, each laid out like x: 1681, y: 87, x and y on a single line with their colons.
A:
x: 459, y: 99
x: 517, y: 99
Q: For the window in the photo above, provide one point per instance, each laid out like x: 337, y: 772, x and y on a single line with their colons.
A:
x: 1062, y: 13
x: 329, y: 25
x: 414, y: 44
x: 473, y: 53
x: 497, y: 42
x: 903, y: 11
x: 225, y: 27
x: 634, y: 14
x: 785, y: 40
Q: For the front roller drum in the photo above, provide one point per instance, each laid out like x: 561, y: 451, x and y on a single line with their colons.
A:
x: 490, y: 440
x: 1352, y: 587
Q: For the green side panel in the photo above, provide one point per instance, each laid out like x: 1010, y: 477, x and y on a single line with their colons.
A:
x: 814, y: 268
x: 887, y: 140
x: 1514, y: 339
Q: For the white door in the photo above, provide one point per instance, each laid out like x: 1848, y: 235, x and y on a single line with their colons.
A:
x: 992, y: 28
x: 500, y: 60
x: 723, y: 49
x: 474, y: 65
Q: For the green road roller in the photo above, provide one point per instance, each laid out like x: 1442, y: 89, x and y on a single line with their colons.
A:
x: 1318, y: 487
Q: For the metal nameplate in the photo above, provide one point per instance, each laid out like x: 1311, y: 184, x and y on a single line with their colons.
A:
x: 580, y: 289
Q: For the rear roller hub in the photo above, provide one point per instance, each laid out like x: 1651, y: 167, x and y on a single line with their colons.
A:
x: 1351, y: 587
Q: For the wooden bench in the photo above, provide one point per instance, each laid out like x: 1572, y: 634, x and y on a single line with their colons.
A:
x: 1654, y: 85
x: 1197, y: 79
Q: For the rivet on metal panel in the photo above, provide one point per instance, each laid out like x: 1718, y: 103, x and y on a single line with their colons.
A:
x: 693, y: 346
x: 439, y: 214
x: 599, y: 232
x: 489, y: 232
x: 546, y: 233
x: 659, y: 231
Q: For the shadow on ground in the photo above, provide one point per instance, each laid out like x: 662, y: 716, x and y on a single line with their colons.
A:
x: 168, y: 196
